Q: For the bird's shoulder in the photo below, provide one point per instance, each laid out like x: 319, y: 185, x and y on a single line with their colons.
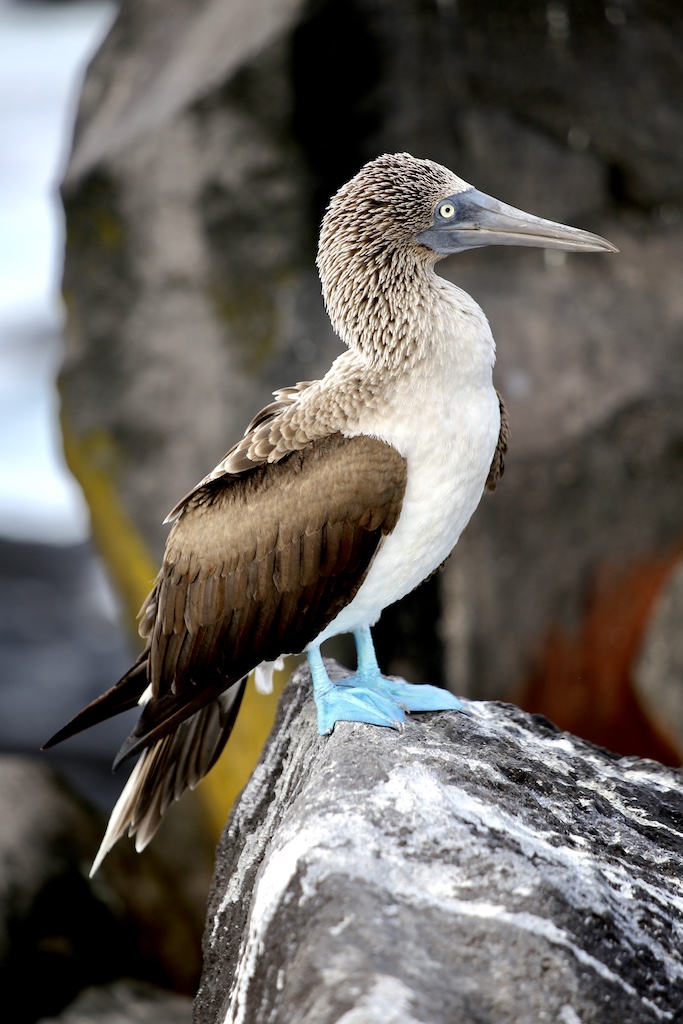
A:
x: 306, y: 412
x: 270, y: 436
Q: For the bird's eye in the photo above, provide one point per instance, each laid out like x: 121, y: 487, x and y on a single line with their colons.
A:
x: 447, y: 210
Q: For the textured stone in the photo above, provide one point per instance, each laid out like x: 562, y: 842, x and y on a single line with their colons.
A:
x: 472, y: 868
x: 65, y: 929
x: 125, y: 1002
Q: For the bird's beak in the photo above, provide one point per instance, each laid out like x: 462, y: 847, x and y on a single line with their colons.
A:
x: 470, y: 219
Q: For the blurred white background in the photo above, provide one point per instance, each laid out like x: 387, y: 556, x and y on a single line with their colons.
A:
x: 44, y: 50
x: 61, y: 640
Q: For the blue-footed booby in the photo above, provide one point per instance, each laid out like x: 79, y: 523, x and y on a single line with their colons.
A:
x: 343, y: 495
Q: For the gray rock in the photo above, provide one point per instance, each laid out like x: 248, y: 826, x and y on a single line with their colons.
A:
x: 471, y: 869
x: 157, y: 187
x: 48, y: 912
x: 125, y: 1002
x: 61, y: 931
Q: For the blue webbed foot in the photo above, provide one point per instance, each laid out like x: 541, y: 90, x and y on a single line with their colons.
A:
x: 368, y: 696
x: 346, y: 702
x: 415, y: 696
x: 349, y: 700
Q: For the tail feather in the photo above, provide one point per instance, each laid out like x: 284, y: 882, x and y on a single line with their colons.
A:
x: 121, y: 697
x: 168, y: 767
x: 165, y: 715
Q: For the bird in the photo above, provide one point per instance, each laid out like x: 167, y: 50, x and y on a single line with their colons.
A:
x: 342, y: 496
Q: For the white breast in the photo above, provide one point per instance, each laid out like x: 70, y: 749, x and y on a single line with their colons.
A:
x: 445, y: 421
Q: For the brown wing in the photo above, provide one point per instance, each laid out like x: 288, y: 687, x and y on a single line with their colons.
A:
x: 498, y: 464
x: 256, y: 566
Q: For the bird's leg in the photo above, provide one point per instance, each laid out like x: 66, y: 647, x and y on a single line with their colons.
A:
x: 368, y: 696
x: 411, y: 696
x: 345, y: 701
x: 368, y: 665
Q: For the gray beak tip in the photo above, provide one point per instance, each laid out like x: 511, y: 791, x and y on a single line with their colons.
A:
x: 596, y: 243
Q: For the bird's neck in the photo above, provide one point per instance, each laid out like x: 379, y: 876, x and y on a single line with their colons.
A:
x: 398, y: 315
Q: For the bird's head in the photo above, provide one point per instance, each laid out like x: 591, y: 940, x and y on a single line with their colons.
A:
x: 396, y: 218
x: 369, y: 256
x: 385, y: 207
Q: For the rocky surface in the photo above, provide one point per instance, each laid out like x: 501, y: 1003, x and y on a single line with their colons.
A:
x: 473, y: 868
x: 125, y: 1002
x: 61, y: 931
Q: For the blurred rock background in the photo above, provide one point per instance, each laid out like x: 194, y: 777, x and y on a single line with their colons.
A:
x: 209, y: 137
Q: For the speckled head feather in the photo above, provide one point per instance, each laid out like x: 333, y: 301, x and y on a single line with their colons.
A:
x: 369, y: 257
x: 387, y: 203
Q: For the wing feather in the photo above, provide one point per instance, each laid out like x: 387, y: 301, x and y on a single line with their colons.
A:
x: 347, y: 547
x: 498, y: 464
x: 331, y: 537
x: 256, y: 565
x: 310, y: 513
